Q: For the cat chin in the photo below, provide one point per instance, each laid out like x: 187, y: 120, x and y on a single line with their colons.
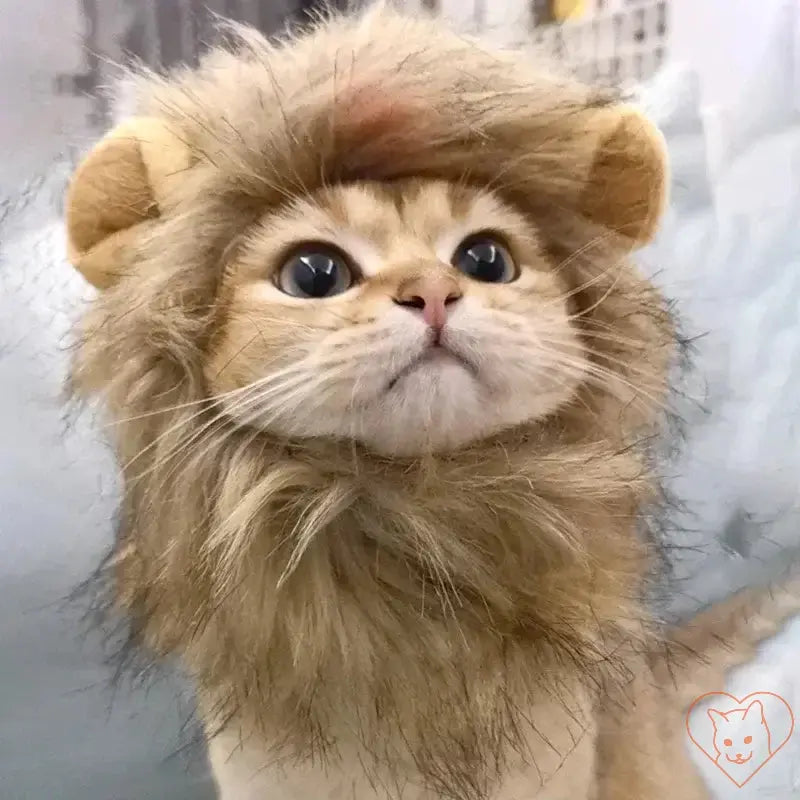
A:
x: 444, y: 405
x: 436, y: 404
x: 438, y: 407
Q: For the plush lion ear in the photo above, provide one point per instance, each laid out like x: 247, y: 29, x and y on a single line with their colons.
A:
x: 122, y: 185
x: 627, y: 187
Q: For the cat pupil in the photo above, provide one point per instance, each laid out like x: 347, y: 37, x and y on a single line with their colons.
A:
x: 488, y: 263
x: 484, y: 259
x: 315, y: 274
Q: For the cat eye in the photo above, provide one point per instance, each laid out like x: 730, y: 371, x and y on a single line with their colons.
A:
x: 485, y: 258
x: 315, y: 271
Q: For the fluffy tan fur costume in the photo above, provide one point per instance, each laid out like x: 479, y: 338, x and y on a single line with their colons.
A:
x: 461, y: 626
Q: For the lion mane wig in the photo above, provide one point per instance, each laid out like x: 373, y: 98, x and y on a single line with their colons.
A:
x: 322, y: 596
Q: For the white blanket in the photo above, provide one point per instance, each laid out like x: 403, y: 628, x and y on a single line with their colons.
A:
x: 729, y: 254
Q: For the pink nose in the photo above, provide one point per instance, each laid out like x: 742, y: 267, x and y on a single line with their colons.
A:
x: 430, y: 294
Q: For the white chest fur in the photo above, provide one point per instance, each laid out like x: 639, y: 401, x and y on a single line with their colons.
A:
x: 242, y: 774
x: 560, y: 766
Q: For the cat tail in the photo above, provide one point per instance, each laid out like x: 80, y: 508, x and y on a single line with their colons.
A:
x: 698, y: 654
x: 643, y: 743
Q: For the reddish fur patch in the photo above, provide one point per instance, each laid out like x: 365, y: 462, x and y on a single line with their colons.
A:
x: 381, y: 127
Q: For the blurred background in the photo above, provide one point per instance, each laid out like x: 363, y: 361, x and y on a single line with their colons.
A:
x: 722, y: 79
x: 61, y: 52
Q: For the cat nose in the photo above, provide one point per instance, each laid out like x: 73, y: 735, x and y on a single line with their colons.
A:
x: 432, y: 295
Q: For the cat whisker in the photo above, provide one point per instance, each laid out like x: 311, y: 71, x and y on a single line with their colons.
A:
x: 185, y: 421
x: 210, y: 399
x: 566, y: 345
x: 589, y: 371
x: 593, y: 243
x: 599, y: 278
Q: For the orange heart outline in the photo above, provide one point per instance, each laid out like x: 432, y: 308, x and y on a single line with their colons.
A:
x: 739, y: 703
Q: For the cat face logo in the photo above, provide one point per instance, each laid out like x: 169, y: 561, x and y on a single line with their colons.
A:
x: 740, y: 736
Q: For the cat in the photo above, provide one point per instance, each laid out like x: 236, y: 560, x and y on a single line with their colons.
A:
x: 384, y: 384
x: 741, y: 740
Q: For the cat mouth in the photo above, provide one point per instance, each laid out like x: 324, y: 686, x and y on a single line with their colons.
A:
x: 739, y: 760
x: 434, y: 353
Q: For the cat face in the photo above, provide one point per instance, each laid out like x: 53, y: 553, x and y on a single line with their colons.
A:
x: 741, y: 735
x: 412, y: 316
